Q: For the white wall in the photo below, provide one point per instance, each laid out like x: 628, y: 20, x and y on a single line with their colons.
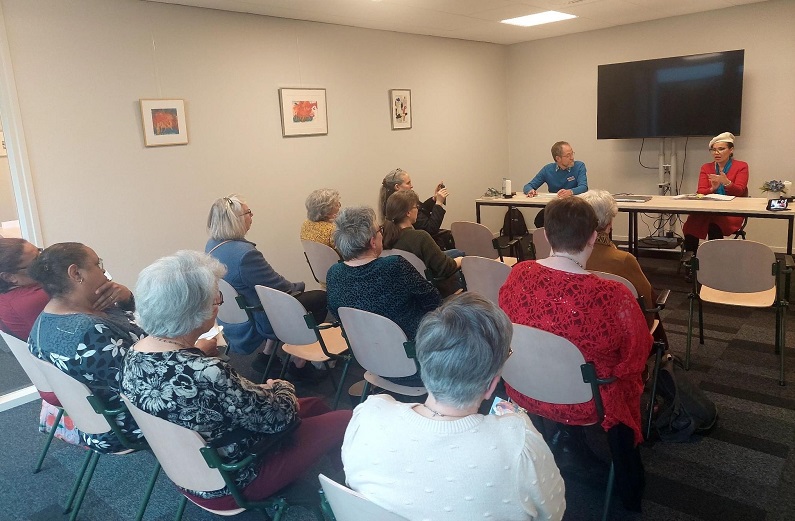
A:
x: 82, y: 65
x: 552, y: 96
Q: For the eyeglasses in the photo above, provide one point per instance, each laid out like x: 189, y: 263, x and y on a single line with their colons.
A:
x: 380, y: 230
x: 248, y: 212
x: 100, y: 264
x: 569, y: 155
x: 220, y: 300
x: 510, y: 352
x: 719, y: 150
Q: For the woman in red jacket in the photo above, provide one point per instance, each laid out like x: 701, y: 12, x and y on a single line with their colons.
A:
x: 726, y: 176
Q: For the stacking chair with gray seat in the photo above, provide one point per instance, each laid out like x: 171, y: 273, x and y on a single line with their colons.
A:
x: 192, y: 464
x: 739, y: 273
x: 320, y: 258
x: 339, y: 503
x: 549, y: 368
x: 302, y: 337
x: 28, y: 363
x: 381, y: 348
x: 476, y: 239
x: 413, y: 259
x: 90, y: 417
x: 485, y: 276
x: 541, y: 247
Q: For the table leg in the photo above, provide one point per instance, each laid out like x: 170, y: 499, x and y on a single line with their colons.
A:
x: 790, y: 222
x: 477, y: 213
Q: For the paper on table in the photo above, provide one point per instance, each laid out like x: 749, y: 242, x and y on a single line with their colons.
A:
x: 714, y: 197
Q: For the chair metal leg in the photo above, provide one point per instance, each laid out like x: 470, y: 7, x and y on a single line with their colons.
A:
x: 325, y: 507
x: 700, y: 322
x: 657, y: 361
x: 609, y: 493
x: 284, y: 367
x: 689, y: 332
x: 781, y: 340
x: 365, y: 390
x: 76, y: 486
x: 49, y: 440
x: 148, y: 493
x: 270, y: 361
x: 341, y: 384
x: 86, y: 482
x: 181, y: 508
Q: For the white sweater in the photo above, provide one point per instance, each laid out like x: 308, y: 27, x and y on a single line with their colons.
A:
x: 478, y: 467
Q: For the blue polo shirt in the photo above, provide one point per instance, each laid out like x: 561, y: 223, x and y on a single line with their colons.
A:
x: 574, y: 178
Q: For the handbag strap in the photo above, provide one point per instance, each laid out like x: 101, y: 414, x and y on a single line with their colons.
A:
x: 218, y: 245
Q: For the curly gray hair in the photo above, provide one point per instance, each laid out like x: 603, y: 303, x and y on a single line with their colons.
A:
x: 322, y: 204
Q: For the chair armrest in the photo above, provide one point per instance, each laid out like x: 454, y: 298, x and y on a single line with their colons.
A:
x: 242, y: 304
x: 254, y: 453
x: 789, y: 263
x: 662, y: 299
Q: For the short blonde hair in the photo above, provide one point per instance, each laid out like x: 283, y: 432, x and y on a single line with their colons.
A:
x: 604, y: 205
x: 226, y: 221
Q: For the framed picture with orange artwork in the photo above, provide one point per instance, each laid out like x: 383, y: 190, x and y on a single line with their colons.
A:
x: 164, y: 122
x: 303, y: 112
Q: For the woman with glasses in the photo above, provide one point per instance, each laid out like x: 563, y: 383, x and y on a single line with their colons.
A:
x: 724, y: 175
x: 84, y: 330
x: 402, y: 209
x: 22, y: 298
x: 166, y: 376
x: 228, y: 223
x: 430, y: 213
x: 387, y: 286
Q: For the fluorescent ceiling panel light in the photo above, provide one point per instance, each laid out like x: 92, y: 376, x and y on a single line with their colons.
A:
x: 546, y: 17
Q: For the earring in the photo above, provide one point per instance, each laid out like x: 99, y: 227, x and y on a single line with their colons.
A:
x: 81, y: 280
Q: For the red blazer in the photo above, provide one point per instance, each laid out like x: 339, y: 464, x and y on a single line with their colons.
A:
x: 698, y: 223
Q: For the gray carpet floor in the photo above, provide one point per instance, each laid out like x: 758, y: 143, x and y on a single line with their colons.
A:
x: 744, y: 469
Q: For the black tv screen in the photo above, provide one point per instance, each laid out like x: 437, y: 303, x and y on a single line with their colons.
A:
x: 697, y: 95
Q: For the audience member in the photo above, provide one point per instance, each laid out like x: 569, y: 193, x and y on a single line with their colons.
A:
x: 322, y: 207
x: 449, y: 460
x: 564, y: 176
x: 85, y: 329
x: 601, y: 318
x: 387, y: 286
x: 21, y: 297
x: 402, y: 209
x: 166, y: 376
x: 229, y: 220
x: 431, y: 212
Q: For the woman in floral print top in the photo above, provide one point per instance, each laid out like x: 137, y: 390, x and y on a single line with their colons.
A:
x: 85, y: 329
x: 166, y: 376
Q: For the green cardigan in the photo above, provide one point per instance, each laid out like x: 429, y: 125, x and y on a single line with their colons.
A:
x: 421, y: 244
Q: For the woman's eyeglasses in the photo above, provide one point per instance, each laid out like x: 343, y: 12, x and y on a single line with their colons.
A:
x: 248, y: 212
x: 720, y: 150
x: 220, y: 301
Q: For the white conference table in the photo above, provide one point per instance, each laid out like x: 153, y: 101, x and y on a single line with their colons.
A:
x: 754, y: 207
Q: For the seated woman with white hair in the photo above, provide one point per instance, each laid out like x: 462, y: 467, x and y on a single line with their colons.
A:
x: 166, y: 376
x: 322, y: 207
x: 451, y: 461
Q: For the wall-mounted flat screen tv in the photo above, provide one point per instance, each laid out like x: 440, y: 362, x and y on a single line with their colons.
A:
x: 697, y: 95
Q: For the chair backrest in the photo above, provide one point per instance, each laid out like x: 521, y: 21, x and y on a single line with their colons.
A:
x: 413, y: 259
x: 349, y: 505
x: 736, y: 266
x: 617, y: 278
x: 230, y: 311
x: 177, y: 449
x: 485, y: 276
x: 474, y: 239
x: 546, y: 367
x: 541, y: 244
x: 377, y: 343
x: 320, y: 258
x: 73, y: 396
x: 286, y: 316
x: 27, y: 361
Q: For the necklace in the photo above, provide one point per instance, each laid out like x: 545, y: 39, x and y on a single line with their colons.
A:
x: 169, y: 341
x: 572, y: 260
x: 437, y: 413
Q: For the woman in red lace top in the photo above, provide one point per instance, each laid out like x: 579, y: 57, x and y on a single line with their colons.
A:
x: 600, y: 317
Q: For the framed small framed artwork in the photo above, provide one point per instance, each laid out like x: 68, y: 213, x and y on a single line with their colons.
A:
x: 164, y: 122
x: 303, y: 112
x: 400, y: 107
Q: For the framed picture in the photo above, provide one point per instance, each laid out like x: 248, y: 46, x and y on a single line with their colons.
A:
x: 164, y: 122
x: 303, y: 112
x: 3, y: 149
x: 400, y: 107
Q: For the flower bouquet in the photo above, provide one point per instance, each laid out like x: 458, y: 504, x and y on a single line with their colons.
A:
x: 775, y: 186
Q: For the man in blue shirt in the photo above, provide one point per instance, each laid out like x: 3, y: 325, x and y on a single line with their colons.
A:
x: 565, y: 176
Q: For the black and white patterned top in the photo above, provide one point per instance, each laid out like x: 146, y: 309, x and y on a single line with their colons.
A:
x: 90, y: 349
x: 206, y: 395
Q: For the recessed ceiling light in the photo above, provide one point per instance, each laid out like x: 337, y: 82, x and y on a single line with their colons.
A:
x: 537, y: 19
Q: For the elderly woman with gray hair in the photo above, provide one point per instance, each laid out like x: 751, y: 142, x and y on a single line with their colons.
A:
x: 166, y: 376
x: 442, y: 453
x: 387, y: 286
x: 322, y: 207
x: 228, y: 223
